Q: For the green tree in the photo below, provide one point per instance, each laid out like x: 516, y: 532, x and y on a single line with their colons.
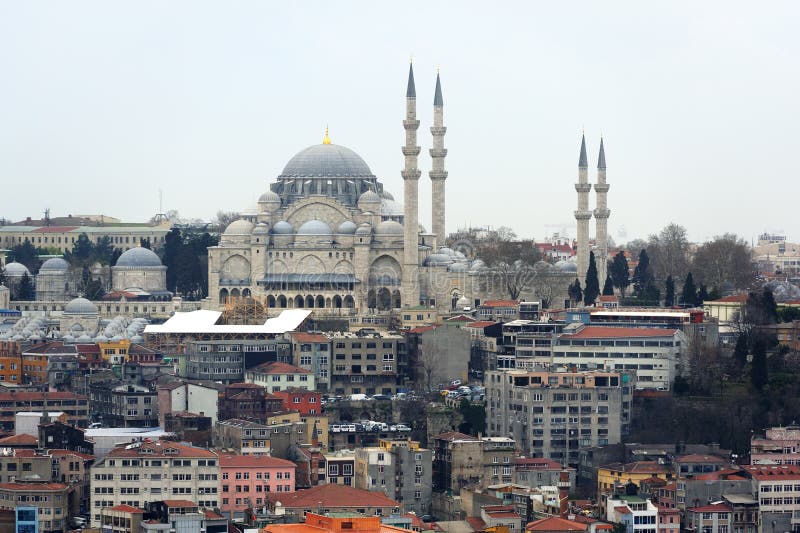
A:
x: 103, y: 251
x: 145, y: 243
x: 24, y: 290
x: 575, y: 292
x: 474, y: 418
x: 94, y: 290
x: 740, y: 351
x: 592, y: 286
x: 620, y: 272
x: 82, y: 251
x: 669, y: 293
x: 669, y: 252
x: 758, y: 370
x: 641, y: 274
x: 25, y: 253
x: 173, y: 243
x: 702, y: 295
x: 651, y: 295
x: 689, y: 291
x: 608, y: 287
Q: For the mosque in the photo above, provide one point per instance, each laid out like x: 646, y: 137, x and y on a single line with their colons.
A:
x: 328, y: 235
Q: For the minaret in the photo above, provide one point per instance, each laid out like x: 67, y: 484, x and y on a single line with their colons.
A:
x: 601, y: 216
x: 582, y: 214
x: 438, y: 174
x: 411, y: 176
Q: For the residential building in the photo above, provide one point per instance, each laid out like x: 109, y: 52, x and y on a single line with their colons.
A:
x: 779, y: 445
x: 215, y: 360
x: 654, y: 354
x: 669, y: 519
x: 528, y: 344
x: 777, y: 488
x: 640, y: 515
x: 366, y: 363
x: 612, y: 476
x: 64, y: 436
x: 436, y: 356
x: 132, y: 406
x: 245, y: 480
x: 584, y: 409
x: 401, y: 469
x: 318, y: 523
x: 727, y: 309
x: 72, y: 468
x: 121, y: 519
x: 200, y: 398
x: 498, y: 310
x: 711, y: 518
x: 244, y: 437
x: 183, y: 516
x: 147, y: 471
x: 339, y: 467
x: 305, y: 401
x: 190, y: 427
x: 539, y: 471
x: 50, y: 499
x: 24, y: 465
x: 75, y: 406
x: 461, y: 460
x: 275, y: 376
x: 312, y: 352
x: 10, y: 359
x: 556, y: 524
x: 330, y: 499
x: 247, y: 401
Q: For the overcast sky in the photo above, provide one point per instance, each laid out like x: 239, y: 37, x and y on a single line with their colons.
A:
x: 104, y: 103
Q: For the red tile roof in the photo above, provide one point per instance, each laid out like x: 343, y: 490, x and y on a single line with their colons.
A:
x: 55, y: 229
x: 460, y: 318
x: 538, y: 463
x: 639, y: 467
x: 774, y: 472
x: 476, y: 523
x: 211, y: 515
x: 602, y: 332
x: 623, y: 509
x: 422, y: 329
x: 332, y: 496
x: 35, y: 396
x: 300, y: 336
x: 502, y: 514
x: 253, y: 461
x: 60, y: 452
x: 179, y: 503
x: 697, y: 458
x: 555, y: 523
x: 732, y: 299
x: 481, y: 324
x: 454, y: 435
x: 23, y: 439
x: 713, y: 508
x: 275, y: 367
x: 126, y: 509
x: 21, y: 485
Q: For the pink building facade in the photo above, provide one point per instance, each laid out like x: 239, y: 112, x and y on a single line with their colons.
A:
x: 245, y: 480
x: 780, y: 446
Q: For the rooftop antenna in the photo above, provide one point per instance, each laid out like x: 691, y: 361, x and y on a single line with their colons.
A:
x: 160, y: 216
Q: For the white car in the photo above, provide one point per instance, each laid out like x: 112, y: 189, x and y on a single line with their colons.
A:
x: 336, y: 428
x: 403, y: 427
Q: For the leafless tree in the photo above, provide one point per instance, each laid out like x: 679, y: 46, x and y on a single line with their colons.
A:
x: 725, y: 259
x: 669, y: 252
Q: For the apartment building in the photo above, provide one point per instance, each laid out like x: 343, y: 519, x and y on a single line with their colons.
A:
x: 777, y: 489
x: 312, y: 352
x: 778, y: 445
x: 275, y: 376
x: 247, y: 401
x: 400, y: 469
x: 528, y: 344
x: 653, y: 354
x: 366, y: 363
x: 142, y: 472
x: 76, y: 407
x: 555, y: 414
x: 246, y: 479
x: 461, y: 460
x: 47, y: 500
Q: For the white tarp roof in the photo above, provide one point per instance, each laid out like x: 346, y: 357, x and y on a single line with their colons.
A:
x: 203, y: 321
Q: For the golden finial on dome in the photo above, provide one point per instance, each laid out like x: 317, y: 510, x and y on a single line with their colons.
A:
x: 326, y: 140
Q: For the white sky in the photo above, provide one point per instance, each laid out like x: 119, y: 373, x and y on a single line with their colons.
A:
x: 104, y: 103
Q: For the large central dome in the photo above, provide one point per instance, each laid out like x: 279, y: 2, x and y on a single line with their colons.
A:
x: 326, y: 161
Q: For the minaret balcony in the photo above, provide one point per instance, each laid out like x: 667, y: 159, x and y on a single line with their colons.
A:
x: 440, y: 152
x: 602, y: 213
x: 411, y: 124
x: 583, y: 187
x: 583, y: 215
x: 438, y: 130
x: 438, y: 174
x: 601, y: 187
x: 411, y: 150
x: 412, y: 174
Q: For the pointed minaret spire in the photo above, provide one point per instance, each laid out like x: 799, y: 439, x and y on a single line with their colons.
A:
x: 411, y: 91
x: 583, y: 214
x: 601, y: 159
x: 438, y: 174
x: 583, y: 162
x: 411, y: 174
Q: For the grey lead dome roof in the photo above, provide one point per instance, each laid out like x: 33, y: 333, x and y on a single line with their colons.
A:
x: 139, y: 257
x: 54, y: 263
x: 315, y: 227
x: 82, y: 306
x: 16, y: 269
x: 326, y: 160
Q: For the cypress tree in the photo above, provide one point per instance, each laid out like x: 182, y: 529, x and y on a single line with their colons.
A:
x: 592, y: 286
x: 689, y: 292
x: 608, y: 288
x: 669, y: 295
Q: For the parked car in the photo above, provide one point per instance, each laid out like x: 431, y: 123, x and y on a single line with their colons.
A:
x: 381, y: 397
x: 403, y: 427
x: 358, y: 397
x: 336, y: 428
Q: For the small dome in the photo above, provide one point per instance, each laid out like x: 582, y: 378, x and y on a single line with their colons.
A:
x: 348, y: 227
x: 269, y: 197
x: 364, y: 229
x: 389, y: 227
x: 566, y: 266
x: 138, y: 339
x: 76, y: 327
x: 81, y: 306
x: 446, y: 251
x: 55, y: 263
x: 282, y: 228
x: 101, y: 338
x: 315, y: 227
x: 16, y: 269
x: 463, y: 302
x: 261, y: 229
x: 139, y: 257
x: 437, y: 260
x: 476, y: 265
x: 84, y: 339
x: 458, y: 267
x: 390, y: 208
x: 386, y: 195
x: 239, y: 227
x: 369, y: 196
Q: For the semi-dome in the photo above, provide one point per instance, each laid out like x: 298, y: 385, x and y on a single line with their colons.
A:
x: 437, y: 260
x: 463, y: 302
x: 386, y: 195
x: 139, y: 257
x: 369, y: 196
x: 282, y: 228
x: 16, y: 269
x: 458, y: 267
x: 56, y: 264
x: 261, y: 229
x: 326, y: 160
x: 446, y: 251
x: 390, y: 208
x: 269, y: 197
x: 389, y: 227
x: 364, y: 229
x: 348, y: 227
x: 315, y: 227
x: 80, y: 306
x: 239, y: 227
